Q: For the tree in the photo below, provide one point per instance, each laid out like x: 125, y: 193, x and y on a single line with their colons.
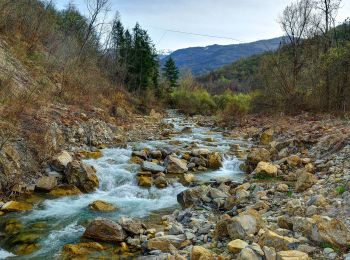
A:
x: 171, y: 72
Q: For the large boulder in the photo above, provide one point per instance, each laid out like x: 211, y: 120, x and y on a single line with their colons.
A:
x: 305, y: 180
x: 330, y: 231
x: 145, y: 181
x: 266, y: 169
x: 105, y: 230
x: 46, y: 183
x: 13, y: 206
x: 65, y: 190
x: 175, y: 165
x: 60, y: 161
x: 214, y: 161
x: 102, y: 206
x: 255, y: 156
x: 152, y: 167
x: 245, y: 224
x: 271, y: 239
x: 200, y: 152
x: 131, y: 225
x: 82, y: 176
x: 201, y: 253
x: 193, y: 196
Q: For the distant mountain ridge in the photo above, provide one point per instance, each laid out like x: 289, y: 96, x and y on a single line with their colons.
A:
x: 201, y: 60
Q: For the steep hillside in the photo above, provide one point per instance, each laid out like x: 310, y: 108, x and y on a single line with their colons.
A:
x: 204, y: 59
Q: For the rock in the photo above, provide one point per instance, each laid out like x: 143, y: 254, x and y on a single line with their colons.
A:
x: 82, y: 248
x: 248, y: 254
x: 201, y: 253
x: 305, y: 181
x: 331, y: 231
x: 60, y: 161
x: 103, y: 206
x: 214, y: 161
x: 186, y: 130
x: 105, y: 230
x: 141, y: 154
x: 131, y: 225
x: 176, y: 229
x: 81, y: 175
x: 136, y: 160
x: 189, y: 178
x: 282, y: 187
x: 236, y: 246
x: 156, y: 154
x: 165, y: 243
x: 245, y: 224
x: 145, y: 181
x: 255, y: 156
x: 266, y: 137
x: 271, y: 239
x: 270, y: 253
x: 65, y: 190
x: 193, y: 196
x: 292, y: 255
x: 152, y: 167
x: 91, y: 155
x: 294, y: 160
x: 175, y: 165
x: 200, y: 152
x: 46, y: 183
x: 295, y: 207
x: 161, y: 182
x: 14, y: 206
x: 267, y: 169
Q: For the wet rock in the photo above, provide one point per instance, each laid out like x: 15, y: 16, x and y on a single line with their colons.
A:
x: 145, y: 181
x: 46, y: 183
x: 91, y: 154
x: 131, y: 225
x: 26, y: 249
x: 152, y: 167
x: 236, y: 246
x: 103, y: 206
x: 60, y: 161
x: 266, y: 137
x: 271, y: 239
x: 305, y: 181
x: 82, y: 176
x: 156, y: 154
x: 161, y: 182
x: 266, y: 169
x: 214, y: 161
x: 186, y: 130
x: 136, y: 160
x: 13, y: 206
x: 175, y: 165
x: 189, y: 178
x: 141, y: 154
x: 80, y: 249
x: 105, y: 230
x: 201, y: 253
x: 291, y: 255
x: 65, y: 190
x: 255, y: 156
x: 200, y: 152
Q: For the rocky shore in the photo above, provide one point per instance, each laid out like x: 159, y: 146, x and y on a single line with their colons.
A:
x: 293, y: 203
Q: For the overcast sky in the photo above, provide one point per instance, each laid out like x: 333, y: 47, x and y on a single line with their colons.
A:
x: 242, y: 20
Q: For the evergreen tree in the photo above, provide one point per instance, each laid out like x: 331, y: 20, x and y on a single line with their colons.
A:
x: 171, y: 72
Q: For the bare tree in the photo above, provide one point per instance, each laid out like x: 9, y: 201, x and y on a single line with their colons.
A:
x: 296, y: 23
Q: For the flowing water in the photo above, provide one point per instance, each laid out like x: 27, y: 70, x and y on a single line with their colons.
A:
x: 57, y: 222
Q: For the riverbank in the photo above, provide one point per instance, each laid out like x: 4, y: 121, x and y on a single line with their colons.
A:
x: 293, y: 202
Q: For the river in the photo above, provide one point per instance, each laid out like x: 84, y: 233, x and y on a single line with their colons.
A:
x: 56, y: 222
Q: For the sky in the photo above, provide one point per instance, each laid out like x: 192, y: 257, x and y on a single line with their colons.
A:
x: 233, y: 21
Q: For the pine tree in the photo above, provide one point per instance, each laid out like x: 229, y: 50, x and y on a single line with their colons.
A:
x: 171, y: 72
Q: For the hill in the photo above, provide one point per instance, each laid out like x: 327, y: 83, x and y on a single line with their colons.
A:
x: 201, y: 60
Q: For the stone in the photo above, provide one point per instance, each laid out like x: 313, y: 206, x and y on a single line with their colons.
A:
x: 60, y: 161
x: 103, y: 206
x: 175, y: 165
x: 272, y: 239
x: 91, y: 155
x: 164, y: 243
x: 305, y: 181
x: 141, y: 154
x: 186, y: 130
x: 331, y: 231
x: 201, y: 253
x: 235, y: 246
x: 65, y: 190
x: 189, y: 178
x: 282, y: 187
x: 105, y: 230
x: 214, y: 161
x: 245, y: 224
x: 46, y: 183
x: 82, y: 175
x: 292, y: 255
x: 82, y: 248
x: 255, y: 156
x: 248, y: 254
x: 294, y: 160
x: 145, y: 181
x: 176, y: 229
x: 200, y: 152
x: 193, y: 196
x: 295, y: 207
x: 152, y: 167
x: 15, y: 206
x: 267, y: 169
x: 161, y: 182
x: 131, y: 225
x: 270, y: 253
x: 136, y: 160
x: 266, y: 137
